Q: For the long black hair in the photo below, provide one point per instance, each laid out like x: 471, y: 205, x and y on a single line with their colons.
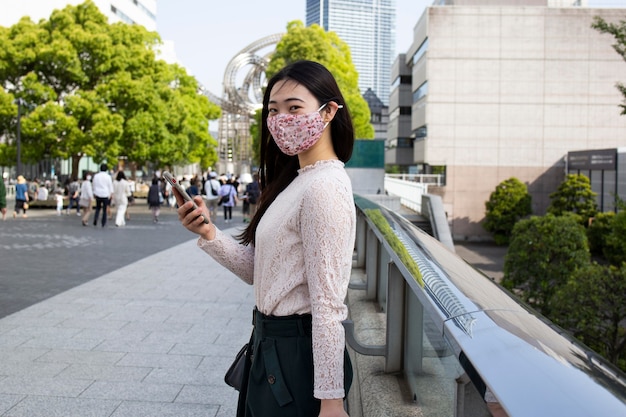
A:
x: 277, y: 170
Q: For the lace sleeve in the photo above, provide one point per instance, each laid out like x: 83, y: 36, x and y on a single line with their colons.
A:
x: 237, y: 258
x: 328, y: 230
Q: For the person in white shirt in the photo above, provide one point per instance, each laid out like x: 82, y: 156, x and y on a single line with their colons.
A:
x: 296, y: 250
x: 42, y: 193
x: 102, y: 191
x: 212, y: 191
x: 121, y: 191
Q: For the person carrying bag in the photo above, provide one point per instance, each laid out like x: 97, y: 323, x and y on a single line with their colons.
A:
x: 297, y: 250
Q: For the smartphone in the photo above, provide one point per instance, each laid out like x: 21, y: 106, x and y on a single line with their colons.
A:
x: 170, y: 178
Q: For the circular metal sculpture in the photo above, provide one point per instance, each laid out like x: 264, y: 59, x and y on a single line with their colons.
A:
x: 242, y: 96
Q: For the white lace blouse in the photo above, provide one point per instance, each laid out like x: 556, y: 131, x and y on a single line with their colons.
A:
x: 302, y: 261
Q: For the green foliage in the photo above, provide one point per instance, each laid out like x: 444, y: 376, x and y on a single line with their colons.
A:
x: 393, y: 169
x: 255, y: 134
x: 509, y: 203
x: 619, y: 33
x: 544, y: 252
x: 98, y: 89
x: 597, y: 231
x: 315, y: 44
x: 614, y: 249
x: 574, y: 195
x: 591, y: 306
x: 383, y: 225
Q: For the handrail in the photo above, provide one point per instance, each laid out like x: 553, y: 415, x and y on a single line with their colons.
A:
x: 459, y: 327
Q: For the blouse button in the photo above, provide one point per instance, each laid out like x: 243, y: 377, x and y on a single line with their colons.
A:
x: 271, y: 379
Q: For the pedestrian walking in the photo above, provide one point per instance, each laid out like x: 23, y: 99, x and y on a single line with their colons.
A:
x: 59, y: 198
x: 73, y: 195
x: 253, y: 193
x: 21, y: 197
x: 155, y: 198
x: 102, y: 191
x: 121, y: 191
x: 297, y: 249
x: 3, y: 200
x: 228, y: 199
x: 86, y: 199
x: 211, y: 190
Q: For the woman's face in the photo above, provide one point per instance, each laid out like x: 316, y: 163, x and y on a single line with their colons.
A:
x: 290, y: 97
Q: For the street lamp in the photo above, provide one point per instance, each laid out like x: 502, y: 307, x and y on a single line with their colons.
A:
x: 20, y: 102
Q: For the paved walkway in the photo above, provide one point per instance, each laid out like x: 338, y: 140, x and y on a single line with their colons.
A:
x: 153, y: 338
x: 150, y: 339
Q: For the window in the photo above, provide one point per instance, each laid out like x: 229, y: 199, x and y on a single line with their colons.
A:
x: 421, y: 132
x: 422, y: 91
x: 405, y: 143
x: 121, y: 15
x: 420, y: 51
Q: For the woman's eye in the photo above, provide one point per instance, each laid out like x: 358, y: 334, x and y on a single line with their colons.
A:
x: 271, y: 111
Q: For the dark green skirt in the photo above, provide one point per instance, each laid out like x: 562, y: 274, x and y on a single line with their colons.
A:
x: 280, y: 369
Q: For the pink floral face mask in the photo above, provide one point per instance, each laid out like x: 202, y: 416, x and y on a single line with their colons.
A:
x: 295, y: 133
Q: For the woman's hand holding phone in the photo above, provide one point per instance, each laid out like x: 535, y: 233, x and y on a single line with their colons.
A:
x: 192, y: 215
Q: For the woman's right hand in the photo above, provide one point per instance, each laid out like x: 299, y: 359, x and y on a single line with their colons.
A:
x: 192, y: 218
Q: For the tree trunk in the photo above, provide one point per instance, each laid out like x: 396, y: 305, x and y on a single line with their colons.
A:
x: 75, y: 163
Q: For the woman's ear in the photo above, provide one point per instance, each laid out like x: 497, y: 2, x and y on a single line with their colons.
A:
x: 328, y: 112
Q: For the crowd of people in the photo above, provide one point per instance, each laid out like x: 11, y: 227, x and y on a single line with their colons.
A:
x: 110, y: 193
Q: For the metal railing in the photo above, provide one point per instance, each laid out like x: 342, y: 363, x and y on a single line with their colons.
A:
x: 463, y: 344
x: 410, y: 192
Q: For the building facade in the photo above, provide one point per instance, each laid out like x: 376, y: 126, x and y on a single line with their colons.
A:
x: 368, y: 27
x: 486, y: 93
x: 141, y: 12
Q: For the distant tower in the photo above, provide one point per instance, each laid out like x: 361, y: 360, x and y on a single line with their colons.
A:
x: 369, y: 29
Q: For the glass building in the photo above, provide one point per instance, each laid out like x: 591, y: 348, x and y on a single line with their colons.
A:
x: 368, y: 27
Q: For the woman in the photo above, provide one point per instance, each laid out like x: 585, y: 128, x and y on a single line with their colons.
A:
x: 21, y: 197
x: 121, y: 191
x: 86, y: 199
x: 228, y: 192
x: 297, y: 249
x: 155, y: 198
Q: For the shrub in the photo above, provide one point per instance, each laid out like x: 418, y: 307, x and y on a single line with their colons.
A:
x: 509, y: 203
x: 597, y: 231
x: 544, y: 252
x: 614, y: 249
x: 574, y: 195
x: 591, y: 306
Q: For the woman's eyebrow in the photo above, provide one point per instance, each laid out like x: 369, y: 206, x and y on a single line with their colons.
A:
x: 287, y: 100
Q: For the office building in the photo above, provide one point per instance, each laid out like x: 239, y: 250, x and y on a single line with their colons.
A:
x: 486, y: 93
x: 368, y: 27
x: 141, y: 12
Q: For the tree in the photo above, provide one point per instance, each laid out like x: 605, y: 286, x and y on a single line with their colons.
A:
x: 619, y: 32
x: 614, y: 248
x: 315, y: 44
x: 597, y: 231
x: 591, y: 306
x: 97, y: 89
x: 509, y: 203
x: 544, y: 252
x: 574, y: 195
x: 8, y: 110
